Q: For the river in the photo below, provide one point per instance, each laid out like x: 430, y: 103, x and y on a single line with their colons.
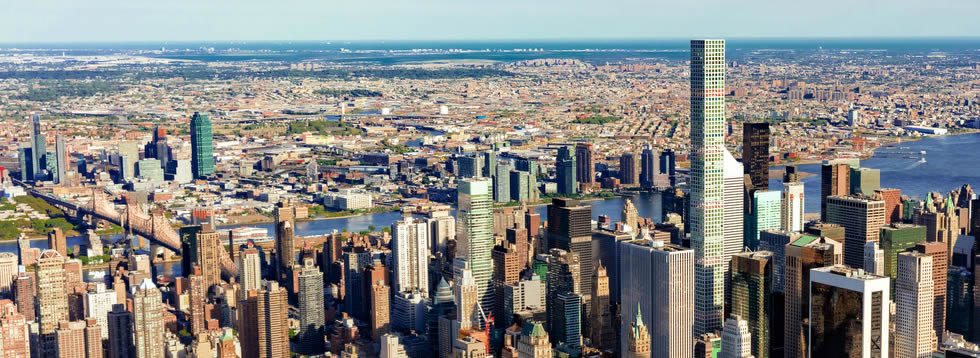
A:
x: 951, y: 161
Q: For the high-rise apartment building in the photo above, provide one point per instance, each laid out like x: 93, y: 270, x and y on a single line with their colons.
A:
x: 263, y: 321
x: 707, y: 182
x: 148, y: 339
x: 61, y: 160
x: 565, y: 172
x: 914, y: 295
x: 79, y: 339
x: 657, y: 281
x: 15, y: 332
x: 410, y: 251
x: 202, y: 146
x: 734, y: 210
x: 249, y: 268
x: 98, y: 304
x: 379, y: 315
x: 802, y: 255
x: 649, y: 167
x: 506, y: 270
x: 285, y: 247
x: 8, y: 273
x: 791, y: 214
x: 835, y: 180
x: 474, y: 235
x: 848, y: 313
x: 311, y: 311
x: 210, y: 250
x: 893, y: 204
x: 40, y: 153
x: 120, y: 332
x: 862, y: 218
x: 584, y: 163
x: 52, y: 299
x: 755, y: 153
x: 629, y: 169
x: 752, y: 293
x: 57, y: 241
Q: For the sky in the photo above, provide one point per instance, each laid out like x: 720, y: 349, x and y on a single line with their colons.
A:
x: 361, y: 20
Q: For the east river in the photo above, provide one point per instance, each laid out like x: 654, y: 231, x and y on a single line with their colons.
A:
x: 951, y: 161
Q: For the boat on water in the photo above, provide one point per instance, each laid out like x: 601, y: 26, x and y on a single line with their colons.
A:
x: 923, y: 160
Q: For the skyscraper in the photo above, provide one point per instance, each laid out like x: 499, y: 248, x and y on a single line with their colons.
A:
x: 98, y: 304
x: 914, y: 335
x: 311, y: 312
x: 570, y: 229
x: 874, y: 259
x: 765, y: 215
x: 848, y: 313
x: 864, y: 181
x: 249, y: 268
x: 802, y: 255
x: 861, y: 218
x: 629, y: 169
x: 501, y: 182
x: 198, y: 300
x: 940, y: 273
x: 835, y: 180
x: 755, y: 153
x: 61, y: 160
x: 563, y: 270
x: 465, y: 294
x: 52, y: 299
x: 148, y: 329
x: 38, y: 151
x: 410, y: 248
x: 158, y: 147
x: 120, y: 332
x: 15, y: 332
x: 202, y: 146
x: 264, y: 318
x: 285, y: 248
x: 734, y: 209
x: 534, y: 342
x: 601, y: 328
x: 8, y: 273
x: 210, y: 250
x: 752, y: 277
x: 657, y: 280
x: 668, y: 165
x: 791, y: 213
x: 474, y: 235
x: 584, y: 163
x: 897, y: 238
x: 649, y: 167
x: 565, y: 172
x: 567, y: 328
x: 707, y: 181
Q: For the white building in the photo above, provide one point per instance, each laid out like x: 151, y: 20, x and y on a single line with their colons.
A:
x: 410, y: 251
x: 792, y: 212
x: 736, y: 341
x: 408, y: 311
x: 348, y: 199
x: 658, y: 280
x: 98, y: 303
x: 874, y: 259
x: 914, y: 299
x: 848, y: 313
x: 390, y: 348
x: 734, y: 207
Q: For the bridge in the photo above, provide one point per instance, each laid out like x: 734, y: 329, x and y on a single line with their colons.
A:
x: 154, y: 226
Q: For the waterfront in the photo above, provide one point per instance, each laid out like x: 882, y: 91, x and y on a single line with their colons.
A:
x: 913, y: 177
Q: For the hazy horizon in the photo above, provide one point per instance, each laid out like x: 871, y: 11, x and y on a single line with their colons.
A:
x: 64, y: 21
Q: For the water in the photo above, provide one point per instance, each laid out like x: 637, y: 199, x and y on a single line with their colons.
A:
x: 951, y: 161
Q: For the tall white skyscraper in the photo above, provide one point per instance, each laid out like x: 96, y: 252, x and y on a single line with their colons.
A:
x: 656, y: 283
x: 474, y: 234
x: 736, y: 341
x: 874, y: 259
x: 249, y: 269
x: 98, y: 303
x: 792, y: 212
x: 707, y: 182
x: 914, y: 299
x: 148, y: 324
x: 734, y: 207
x: 410, y: 248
